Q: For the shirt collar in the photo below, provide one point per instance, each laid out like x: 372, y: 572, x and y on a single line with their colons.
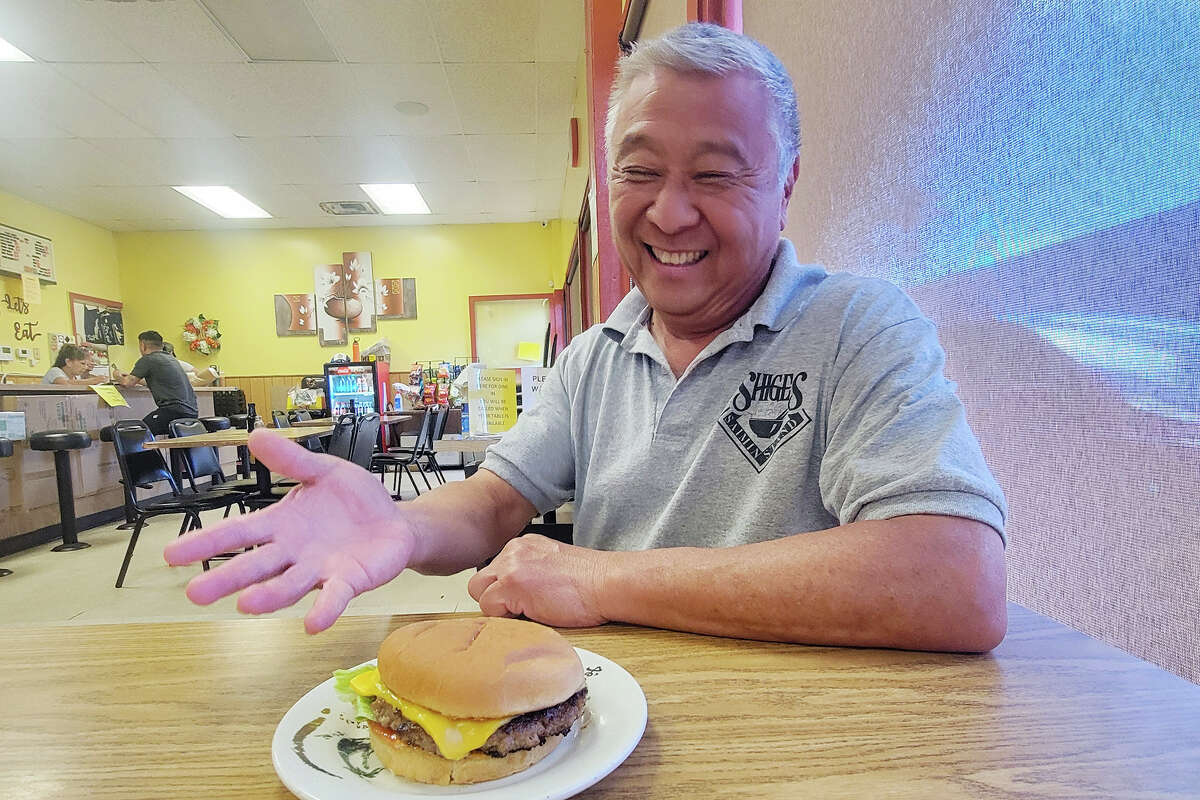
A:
x: 777, y: 305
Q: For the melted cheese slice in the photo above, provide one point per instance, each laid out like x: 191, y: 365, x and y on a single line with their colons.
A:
x: 454, y: 737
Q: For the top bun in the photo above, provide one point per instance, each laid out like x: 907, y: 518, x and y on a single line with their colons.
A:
x: 480, y: 667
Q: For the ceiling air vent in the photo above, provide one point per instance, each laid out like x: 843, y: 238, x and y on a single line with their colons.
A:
x: 342, y: 208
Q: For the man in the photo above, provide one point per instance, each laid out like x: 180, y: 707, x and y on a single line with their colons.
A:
x: 756, y: 448
x: 167, y: 381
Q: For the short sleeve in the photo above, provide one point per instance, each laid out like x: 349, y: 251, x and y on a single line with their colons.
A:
x: 537, y: 457
x: 141, y: 368
x: 898, y: 441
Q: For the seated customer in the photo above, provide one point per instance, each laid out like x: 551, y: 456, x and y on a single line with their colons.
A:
x: 204, y: 377
x: 71, y: 368
x: 167, y: 381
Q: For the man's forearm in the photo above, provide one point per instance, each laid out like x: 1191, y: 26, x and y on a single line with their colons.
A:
x: 464, y: 523
x: 919, y: 582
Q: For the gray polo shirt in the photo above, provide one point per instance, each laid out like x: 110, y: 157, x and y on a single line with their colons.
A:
x: 168, y: 383
x: 823, y: 404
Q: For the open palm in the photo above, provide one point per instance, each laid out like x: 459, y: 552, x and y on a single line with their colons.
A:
x: 339, y: 530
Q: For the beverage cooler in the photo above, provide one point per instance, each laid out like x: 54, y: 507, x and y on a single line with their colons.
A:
x: 356, y: 387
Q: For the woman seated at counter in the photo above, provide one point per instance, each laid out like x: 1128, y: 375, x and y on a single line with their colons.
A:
x: 72, y: 368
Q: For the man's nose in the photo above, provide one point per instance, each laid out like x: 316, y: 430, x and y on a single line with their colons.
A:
x: 673, y: 210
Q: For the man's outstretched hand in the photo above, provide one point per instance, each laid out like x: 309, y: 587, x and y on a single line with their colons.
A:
x: 339, y: 530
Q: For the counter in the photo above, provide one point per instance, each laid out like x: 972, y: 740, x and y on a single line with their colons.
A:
x: 28, y: 491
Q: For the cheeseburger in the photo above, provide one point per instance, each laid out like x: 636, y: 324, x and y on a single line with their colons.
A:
x: 467, y: 700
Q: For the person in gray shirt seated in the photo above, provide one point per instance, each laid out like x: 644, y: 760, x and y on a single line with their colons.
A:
x: 756, y: 448
x: 167, y: 381
x: 71, y: 368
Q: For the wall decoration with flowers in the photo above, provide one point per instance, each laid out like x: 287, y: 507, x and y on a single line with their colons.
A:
x: 202, y: 335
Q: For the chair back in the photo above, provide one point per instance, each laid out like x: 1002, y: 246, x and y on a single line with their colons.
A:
x: 424, y: 436
x: 303, y: 416
x: 342, y: 440
x: 439, y: 425
x: 366, y: 434
x: 280, y: 419
x: 139, y: 466
x: 201, y: 462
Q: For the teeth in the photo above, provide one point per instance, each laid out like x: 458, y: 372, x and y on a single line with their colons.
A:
x: 682, y: 257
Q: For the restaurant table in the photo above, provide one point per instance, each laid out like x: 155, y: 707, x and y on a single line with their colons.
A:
x: 238, y: 437
x: 477, y: 445
x: 188, y: 709
x: 388, y: 418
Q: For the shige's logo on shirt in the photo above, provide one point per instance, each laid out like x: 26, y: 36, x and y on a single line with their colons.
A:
x: 764, y: 413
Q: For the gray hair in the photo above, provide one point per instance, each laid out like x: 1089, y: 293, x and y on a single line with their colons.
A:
x: 700, y: 47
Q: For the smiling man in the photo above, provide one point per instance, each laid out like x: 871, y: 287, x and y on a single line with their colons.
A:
x: 756, y: 448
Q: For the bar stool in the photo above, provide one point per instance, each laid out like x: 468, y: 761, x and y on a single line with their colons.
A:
x: 59, y: 442
x: 214, y: 424
x: 6, y: 450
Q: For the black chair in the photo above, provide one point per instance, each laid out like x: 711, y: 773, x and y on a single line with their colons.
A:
x: 341, y: 441
x: 439, y: 427
x: 6, y: 450
x: 366, y: 434
x: 214, y: 424
x: 402, y: 459
x: 203, y: 462
x: 60, y: 442
x: 141, y: 467
x: 280, y: 419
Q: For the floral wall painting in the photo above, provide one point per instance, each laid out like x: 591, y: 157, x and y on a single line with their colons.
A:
x: 359, y: 285
x: 330, y: 302
x: 295, y: 315
x: 396, y: 298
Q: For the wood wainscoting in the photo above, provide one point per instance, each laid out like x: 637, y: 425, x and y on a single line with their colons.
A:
x: 269, y: 392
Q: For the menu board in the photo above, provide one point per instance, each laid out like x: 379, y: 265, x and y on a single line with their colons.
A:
x: 22, y: 253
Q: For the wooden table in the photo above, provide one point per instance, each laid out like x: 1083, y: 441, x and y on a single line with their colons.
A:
x: 389, y: 418
x: 238, y: 437
x: 477, y: 446
x: 188, y: 710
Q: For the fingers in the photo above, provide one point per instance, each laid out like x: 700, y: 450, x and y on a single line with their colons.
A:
x: 242, y: 571
x: 332, y: 600
x: 288, y: 458
x: 282, y: 590
x: 493, y: 602
x: 231, y: 534
x: 480, y: 581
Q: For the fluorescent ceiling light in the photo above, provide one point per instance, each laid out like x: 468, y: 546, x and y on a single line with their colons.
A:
x: 396, y: 198
x: 10, y: 53
x: 224, y: 201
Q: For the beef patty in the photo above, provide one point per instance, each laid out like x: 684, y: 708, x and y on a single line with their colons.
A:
x: 519, y: 733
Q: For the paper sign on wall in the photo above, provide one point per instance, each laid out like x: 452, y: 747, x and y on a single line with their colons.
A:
x: 12, y: 425
x: 109, y: 394
x: 493, y: 401
x: 532, y: 381
x: 31, y: 288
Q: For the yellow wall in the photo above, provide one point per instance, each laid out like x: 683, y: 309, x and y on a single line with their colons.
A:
x: 233, y: 276
x: 85, y: 259
x: 575, y: 184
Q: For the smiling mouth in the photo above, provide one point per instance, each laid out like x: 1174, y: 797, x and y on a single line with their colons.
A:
x: 675, y: 258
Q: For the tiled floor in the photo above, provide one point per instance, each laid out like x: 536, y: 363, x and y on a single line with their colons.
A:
x: 77, y: 587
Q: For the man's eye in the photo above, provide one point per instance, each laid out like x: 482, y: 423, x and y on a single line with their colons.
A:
x: 712, y: 177
x: 637, y: 174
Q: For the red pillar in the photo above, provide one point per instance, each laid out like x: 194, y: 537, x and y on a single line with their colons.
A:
x: 604, y: 21
x: 726, y: 13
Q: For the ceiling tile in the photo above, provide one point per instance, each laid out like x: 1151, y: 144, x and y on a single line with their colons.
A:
x: 293, y: 159
x: 60, y: 162
x: 169, y: 31
x: 186, y: 162
x: 62, y: 30
x: 444, y: 158
x: 277, y: 99
x: 40, y: 90
x: 553, y: 156
x: 381, y: 86
x: 485, y: 30
x: 377, y: 31
x: 504, y: 157
x: 495, y: 98
x: 502, y: 197
x: 365, y: 159
x: 282, y: 201
x: 560, y: 28
x: 452, y: 197
x: 140, y: 93
x: 549, y: 196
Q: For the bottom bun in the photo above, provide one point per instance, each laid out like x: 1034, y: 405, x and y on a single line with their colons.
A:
x: 425, y: 767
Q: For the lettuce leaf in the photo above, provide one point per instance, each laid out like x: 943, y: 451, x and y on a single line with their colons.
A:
x: 341, y: 684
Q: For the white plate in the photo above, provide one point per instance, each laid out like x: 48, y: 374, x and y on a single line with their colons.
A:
x: 321, y: 752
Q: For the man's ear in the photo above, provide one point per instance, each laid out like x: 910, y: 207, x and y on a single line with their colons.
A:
x: 789, y: 184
